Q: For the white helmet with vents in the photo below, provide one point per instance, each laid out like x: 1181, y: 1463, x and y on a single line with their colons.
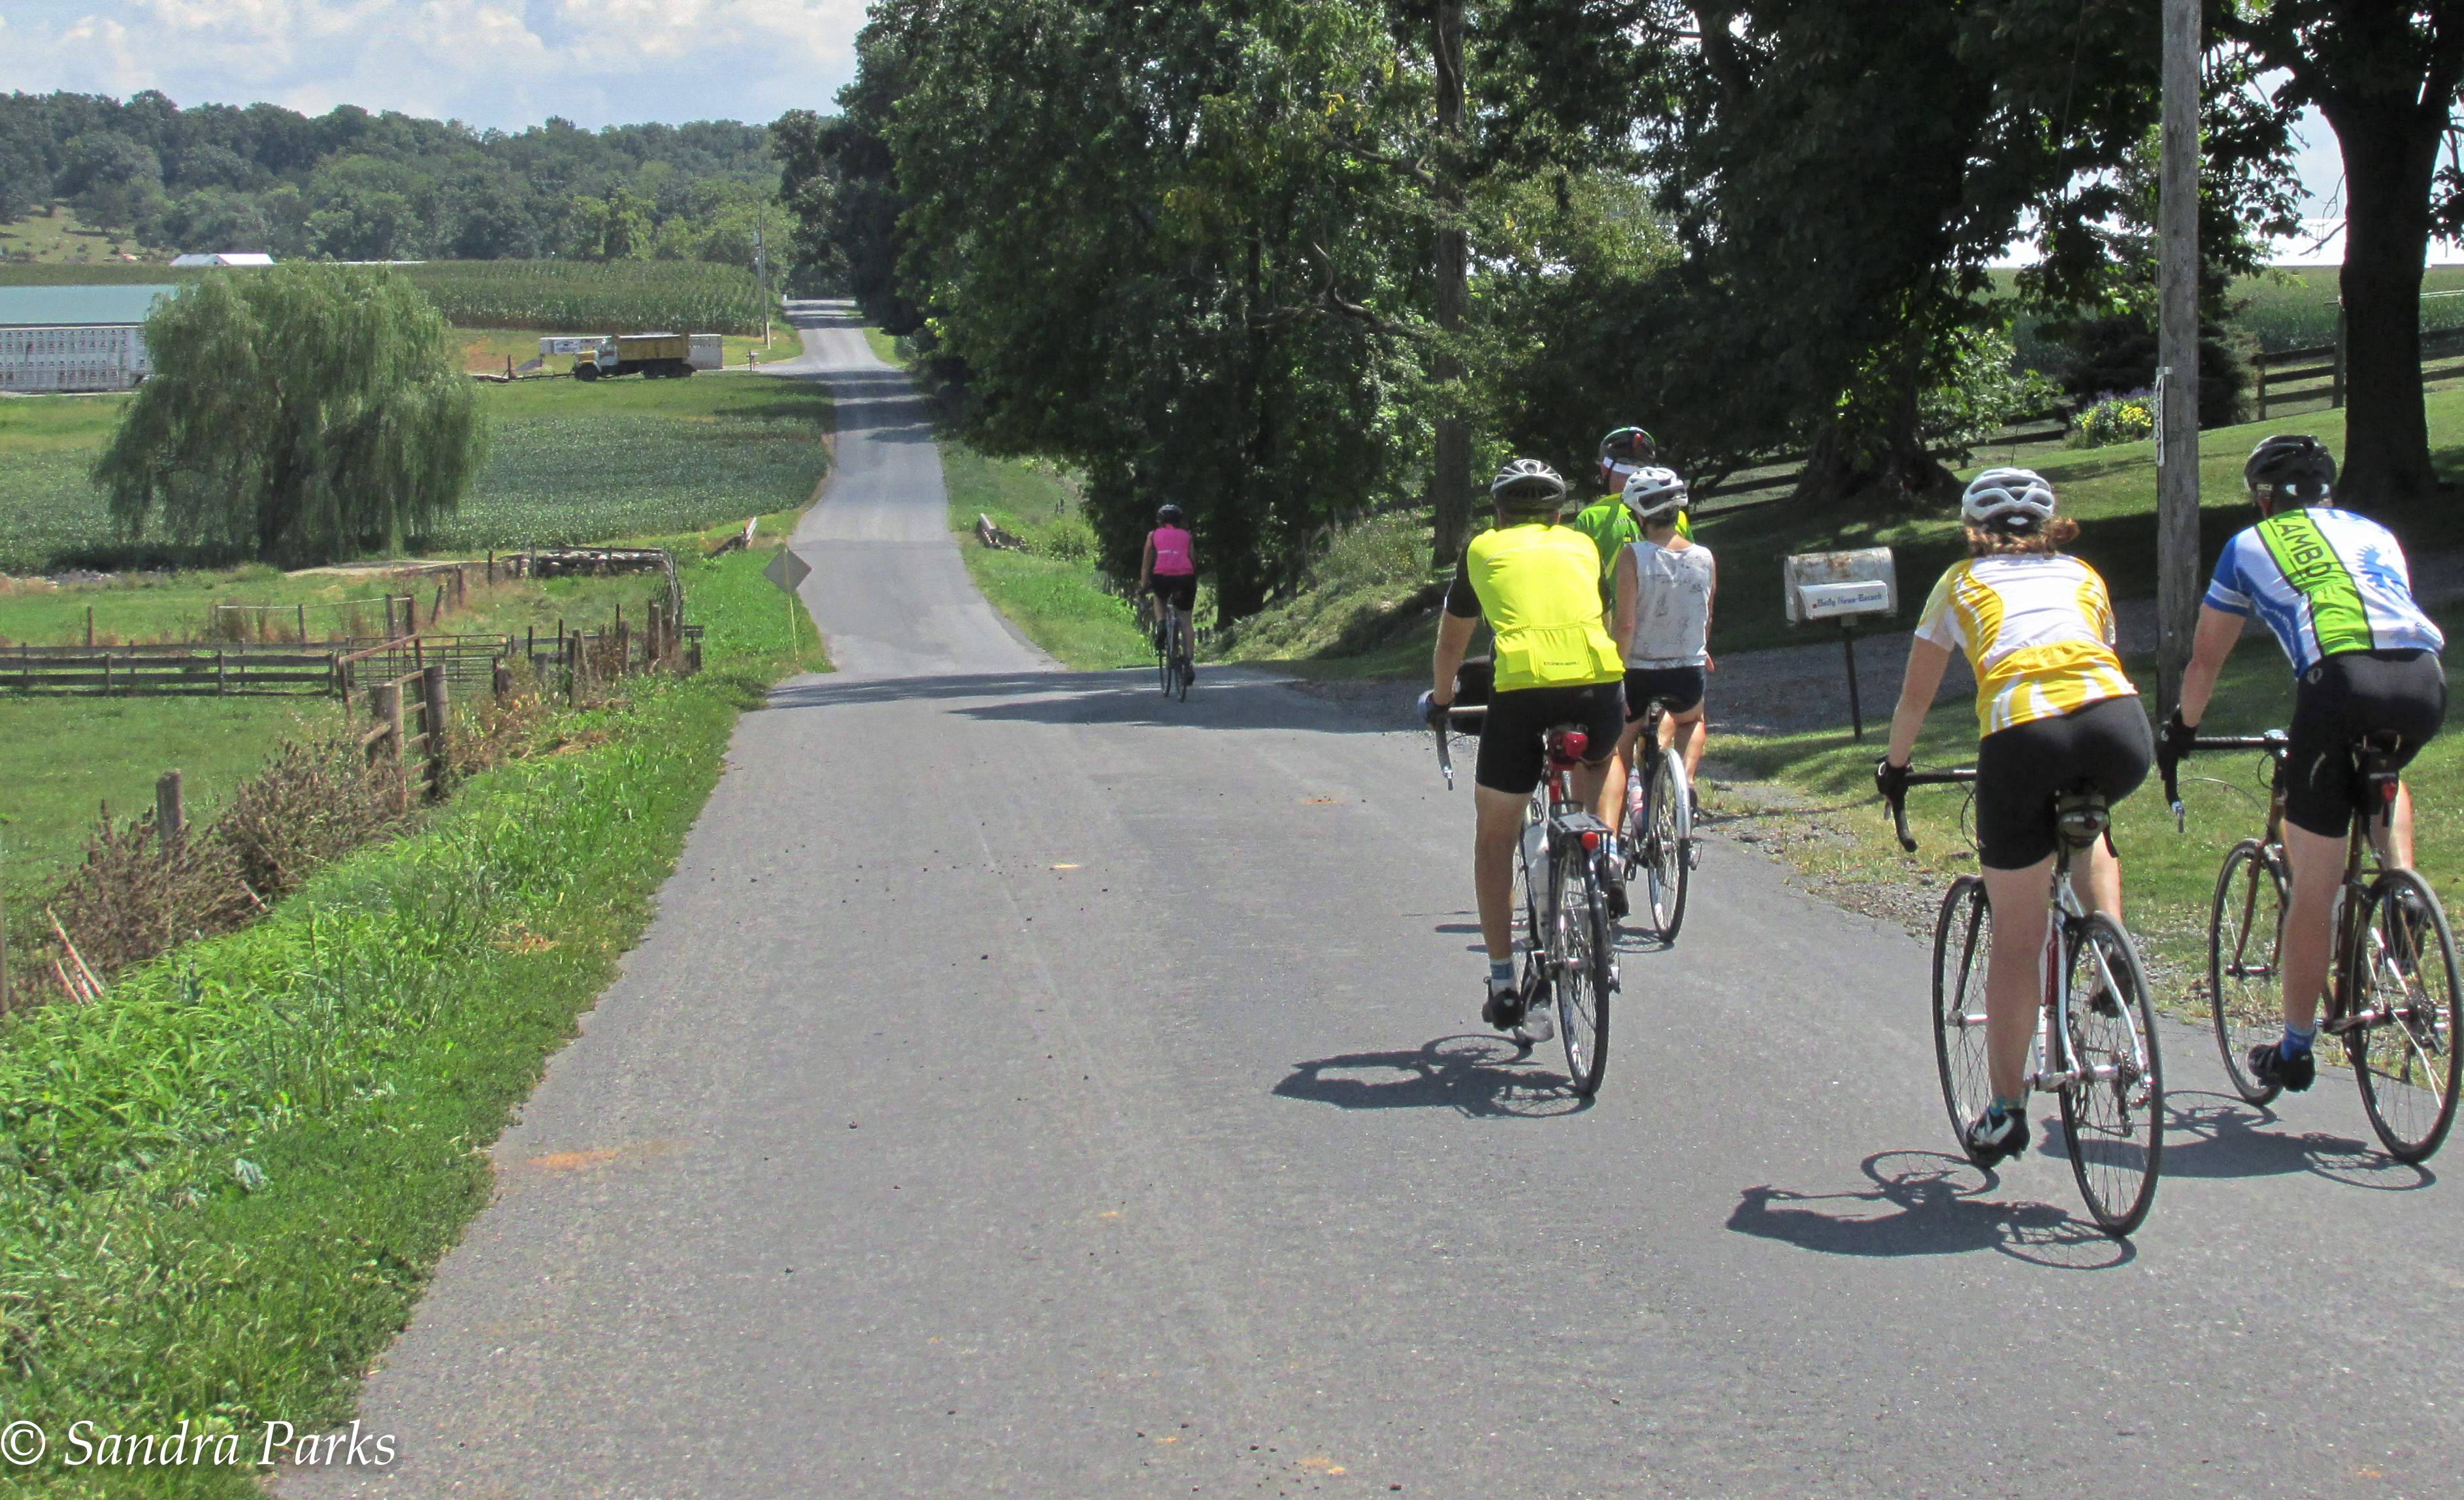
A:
x: 2016, y: 500
x: 1651, y: 493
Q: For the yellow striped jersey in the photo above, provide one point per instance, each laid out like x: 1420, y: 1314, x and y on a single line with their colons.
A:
x: 2039, y: 633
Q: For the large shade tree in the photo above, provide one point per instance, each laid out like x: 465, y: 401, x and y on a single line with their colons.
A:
x: 299, y: 415
x: 2384, y: 73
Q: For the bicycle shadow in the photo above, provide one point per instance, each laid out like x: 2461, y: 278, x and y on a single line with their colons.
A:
x: 2219, y: 1136
x: 1480, y: 1077
x: 1933, y: 1208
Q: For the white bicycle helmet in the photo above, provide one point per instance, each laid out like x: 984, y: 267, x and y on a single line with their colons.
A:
x: 1651, y: 492
x: 1528, y: 487
x: 2016, y: 499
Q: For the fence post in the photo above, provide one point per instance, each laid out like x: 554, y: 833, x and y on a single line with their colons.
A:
x: 171, y: 813
x: 501, y: 679
x: 655, y: 639
x: 385, y: 699
x: 431, y: 684
x: 436, y: 611
x: 303, y: 624
x: 2335, y: 397
x: 491, y: 567
x: 2258, y: 367
x: 222, y: 684
x: 107, y: 674
x: 89, y: 627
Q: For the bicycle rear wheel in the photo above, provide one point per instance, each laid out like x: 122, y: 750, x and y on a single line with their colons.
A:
x: 1182, y: 672
x: 1586, y: 972
x: 2401, y: 976
x: 1963, y: 941
x: 2245, y: 984
x: 1163, y: 657
x: 1669, y: 822
x: 2113, y: 1108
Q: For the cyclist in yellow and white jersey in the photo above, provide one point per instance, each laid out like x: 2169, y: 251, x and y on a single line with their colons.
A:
x: 2054, y: 709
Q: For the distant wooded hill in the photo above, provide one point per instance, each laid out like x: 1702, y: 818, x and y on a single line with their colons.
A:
x: 350, y: 184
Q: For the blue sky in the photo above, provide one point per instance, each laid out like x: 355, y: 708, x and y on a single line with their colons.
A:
x: 506, y: 63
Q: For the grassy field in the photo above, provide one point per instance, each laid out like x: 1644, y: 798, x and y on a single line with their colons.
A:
x: 1050, y: 591
x: 570, y: 462
x: 228, y: 1181
x: 57, y: 238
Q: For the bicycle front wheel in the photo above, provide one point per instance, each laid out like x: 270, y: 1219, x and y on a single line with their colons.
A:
x: 1668, y: 838
x: 1586, y: 972
x: 2245, y: 984
x: 2401, y: 977
x: 1182, y: 672
x: 2113, y: 1108
x: 1163, y: 660
x: 1963, y: 942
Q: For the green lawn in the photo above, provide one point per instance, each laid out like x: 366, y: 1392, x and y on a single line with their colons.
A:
x: 2111, y: 491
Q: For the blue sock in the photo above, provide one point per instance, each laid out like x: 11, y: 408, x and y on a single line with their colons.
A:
x: 2296, y: 1043
x: 2004, y: 1108
x: 1501, y: 974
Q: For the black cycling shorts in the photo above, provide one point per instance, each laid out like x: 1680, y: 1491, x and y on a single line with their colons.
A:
x: 1681, y: 688
x: 2337, y: 701
x: 1179, y: 590
x: 1512, y: 753
x: 2019, y: 770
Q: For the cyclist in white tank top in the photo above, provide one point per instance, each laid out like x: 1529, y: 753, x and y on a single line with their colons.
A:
x: 1665, y: 585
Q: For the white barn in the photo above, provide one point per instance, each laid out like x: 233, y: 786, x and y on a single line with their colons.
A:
x: 227, y: 257
x: 57, y: 339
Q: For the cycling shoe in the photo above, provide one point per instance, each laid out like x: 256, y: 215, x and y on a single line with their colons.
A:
x: 1990, y: 1140
x: 2293, y: 1074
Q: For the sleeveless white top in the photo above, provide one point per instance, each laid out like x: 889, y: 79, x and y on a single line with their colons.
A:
x: 1672, y: 605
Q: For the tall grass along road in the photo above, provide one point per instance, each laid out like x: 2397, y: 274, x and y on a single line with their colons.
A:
x: 224, y: 1184
x: 1034, y: 1086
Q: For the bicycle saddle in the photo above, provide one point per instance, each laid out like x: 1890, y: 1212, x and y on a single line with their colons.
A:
x: 2379, y: 779
x: 2080, y: 817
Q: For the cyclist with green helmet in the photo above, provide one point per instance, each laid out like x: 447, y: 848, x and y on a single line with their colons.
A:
x: 1537, y: 583
x: 2332, y: 588
x: 1606, y: 519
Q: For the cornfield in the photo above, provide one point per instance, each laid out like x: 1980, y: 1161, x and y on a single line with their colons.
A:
x: 581, y: 297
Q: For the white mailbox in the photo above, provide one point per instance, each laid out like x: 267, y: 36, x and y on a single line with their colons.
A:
x: 1841, y: 586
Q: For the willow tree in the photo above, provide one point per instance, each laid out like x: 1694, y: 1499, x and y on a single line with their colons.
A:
x: 298, y: 415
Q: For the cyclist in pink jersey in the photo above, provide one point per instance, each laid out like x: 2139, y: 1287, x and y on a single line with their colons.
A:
x: 1169, y: 571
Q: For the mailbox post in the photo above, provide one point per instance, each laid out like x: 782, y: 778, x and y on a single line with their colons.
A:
x: 1843, y: 586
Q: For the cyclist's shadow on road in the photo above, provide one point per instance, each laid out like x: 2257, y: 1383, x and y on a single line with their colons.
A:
x: 1922, y: 1202
x: 1482, y: 1076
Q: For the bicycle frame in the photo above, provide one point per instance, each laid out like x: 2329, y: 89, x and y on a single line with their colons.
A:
x: 2366, y: 857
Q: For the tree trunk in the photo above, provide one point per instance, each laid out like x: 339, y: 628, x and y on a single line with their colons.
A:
x: 1890, y: 470
x: 2390, y: 148
x: 1450, y: 463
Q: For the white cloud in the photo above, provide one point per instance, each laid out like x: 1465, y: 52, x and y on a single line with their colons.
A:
x: 506, y: 63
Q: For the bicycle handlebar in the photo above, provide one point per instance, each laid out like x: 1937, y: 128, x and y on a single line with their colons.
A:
x: 1915, y: 778
x: 1444, y: 730
x: 2273, y: 741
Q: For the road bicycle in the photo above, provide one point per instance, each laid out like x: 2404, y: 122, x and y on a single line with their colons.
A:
x: 2094, y: 1048
x: 1658, y: 845
x: 1569, y: 942
x: 1173, y: 669
x: 2391, y: 998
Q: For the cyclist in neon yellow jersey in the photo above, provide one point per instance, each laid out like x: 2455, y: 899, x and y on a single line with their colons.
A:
x: 1606, y: 520
x: 2054, y: 709
x: 2332, y: 588
x: 1538, y: 585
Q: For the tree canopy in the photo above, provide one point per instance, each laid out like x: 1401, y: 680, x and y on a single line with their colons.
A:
x: 349, y: 184
x: 299, y: 415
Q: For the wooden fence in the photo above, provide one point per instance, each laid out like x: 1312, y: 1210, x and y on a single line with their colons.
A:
x: 469, y: 662
x: 194, y: 670
x: 1781, y: 471
x: 2318, y: 373
x: 395, y: 706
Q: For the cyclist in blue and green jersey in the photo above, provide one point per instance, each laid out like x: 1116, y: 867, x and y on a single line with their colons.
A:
x: 1537, y: 583
x: 2332, y: 589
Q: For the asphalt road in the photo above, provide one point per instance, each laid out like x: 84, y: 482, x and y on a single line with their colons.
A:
x: 1031, y: 1086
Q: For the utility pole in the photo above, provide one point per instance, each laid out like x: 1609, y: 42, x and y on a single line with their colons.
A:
x: 1450, y: 464
x: 2177, y: 355
x: 761, y: 278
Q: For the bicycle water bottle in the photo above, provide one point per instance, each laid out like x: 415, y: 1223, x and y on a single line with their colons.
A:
x: 1633, y: 793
